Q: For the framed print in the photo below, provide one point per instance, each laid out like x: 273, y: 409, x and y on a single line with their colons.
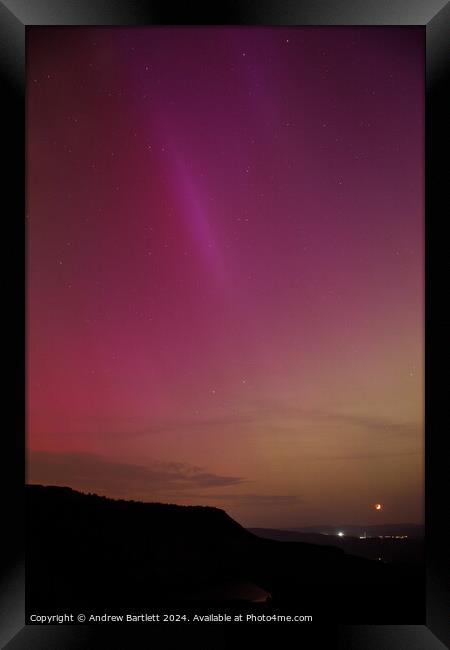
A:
x: 223, y: 416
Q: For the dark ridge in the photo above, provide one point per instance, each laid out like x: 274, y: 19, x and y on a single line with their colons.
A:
x: 91, y: 552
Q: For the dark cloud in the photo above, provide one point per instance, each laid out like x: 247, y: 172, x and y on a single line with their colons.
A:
x: 89, y: 472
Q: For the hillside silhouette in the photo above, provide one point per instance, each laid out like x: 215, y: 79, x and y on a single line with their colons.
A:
x: 91, y: 552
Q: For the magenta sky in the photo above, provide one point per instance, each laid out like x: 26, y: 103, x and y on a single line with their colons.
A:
x: 225, y: 268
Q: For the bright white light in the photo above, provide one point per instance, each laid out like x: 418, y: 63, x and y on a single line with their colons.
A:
x: 340, y: 534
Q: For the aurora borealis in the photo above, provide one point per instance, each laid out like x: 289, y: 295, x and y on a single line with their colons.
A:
x: 225, y: 268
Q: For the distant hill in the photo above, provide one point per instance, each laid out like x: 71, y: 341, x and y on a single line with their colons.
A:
x: 416, y: 531
x: 394, y: 550
x: 90, y: 552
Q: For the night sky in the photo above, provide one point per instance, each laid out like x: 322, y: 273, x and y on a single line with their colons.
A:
x: 225, y: 268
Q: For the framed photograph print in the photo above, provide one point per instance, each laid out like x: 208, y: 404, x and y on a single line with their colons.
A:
x: 222, y: 417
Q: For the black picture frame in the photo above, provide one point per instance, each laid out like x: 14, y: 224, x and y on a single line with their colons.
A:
x: 15, y: 16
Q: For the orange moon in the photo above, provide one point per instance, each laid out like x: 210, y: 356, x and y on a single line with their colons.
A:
x: 378, y: 506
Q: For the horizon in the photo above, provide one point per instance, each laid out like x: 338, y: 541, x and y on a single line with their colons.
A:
x: 225, y: 268
x: 249, y: 527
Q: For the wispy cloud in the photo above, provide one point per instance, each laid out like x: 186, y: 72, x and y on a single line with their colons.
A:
x: 368, y: 455
x: 375, y: 424
x: 268, y: 500
x: 90, y: 472
x: 262, y: 413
